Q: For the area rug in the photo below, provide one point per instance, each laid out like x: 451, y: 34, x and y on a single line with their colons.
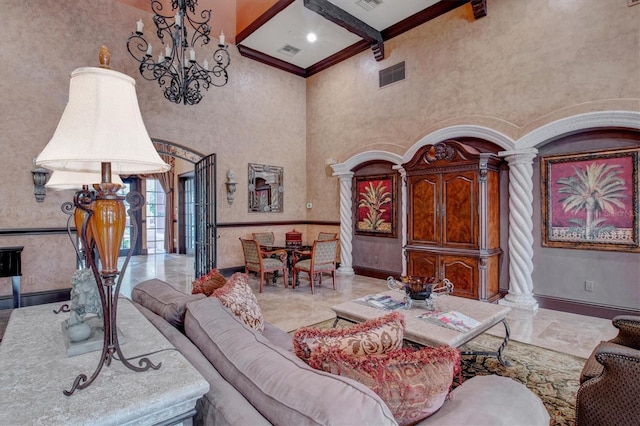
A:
x: 553, y: 376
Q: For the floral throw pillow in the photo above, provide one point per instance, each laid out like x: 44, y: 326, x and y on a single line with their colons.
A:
x: 207, y: 284
x: 375, y: 336
x: 413, y: 383
x: 237, y: 296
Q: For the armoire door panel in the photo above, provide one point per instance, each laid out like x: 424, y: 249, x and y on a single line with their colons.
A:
x: 463, y: 273
x: 423, y: 264
x: 460, y: 219
x: 424, y: 209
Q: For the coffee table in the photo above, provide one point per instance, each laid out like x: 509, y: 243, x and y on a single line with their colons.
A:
x: 424, y: 333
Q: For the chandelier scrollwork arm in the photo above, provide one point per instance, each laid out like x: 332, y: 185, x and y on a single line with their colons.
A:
x: 176, y: 70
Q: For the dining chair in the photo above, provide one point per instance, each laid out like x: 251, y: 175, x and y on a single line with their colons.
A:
x: 323, y: 236
x: 264, y: 238
x: 261, y: 262
x: 322, y: 260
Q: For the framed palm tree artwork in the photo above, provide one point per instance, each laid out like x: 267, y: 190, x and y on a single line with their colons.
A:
x: 376, y: 205
x: 590, y: 200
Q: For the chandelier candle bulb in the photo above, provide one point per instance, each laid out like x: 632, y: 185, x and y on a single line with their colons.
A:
x: 139, y: 26
x: 149, y: 49
x: 167, y: 52
x: 205, y: 65
x: 221, y: 38
x: 192, y: 55
x: 178, y: 20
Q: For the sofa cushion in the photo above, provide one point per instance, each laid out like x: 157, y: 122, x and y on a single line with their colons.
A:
x: 375, y: 336
x: 208, y: 283
x: 490, y: 401
x: 165, y: 300
x: 413, y: 383
x: 278, y: 337
x: 238, y: 297
x: 279, y: 385
x: 222, y: 405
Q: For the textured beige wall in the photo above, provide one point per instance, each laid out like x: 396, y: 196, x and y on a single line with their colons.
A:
x: 258, y: 117
x: 525, y: 64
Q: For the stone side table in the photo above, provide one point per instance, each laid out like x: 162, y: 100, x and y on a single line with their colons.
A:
x: 35, y: 369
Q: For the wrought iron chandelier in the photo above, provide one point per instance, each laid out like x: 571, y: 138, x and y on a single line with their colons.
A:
x: 176, y: 68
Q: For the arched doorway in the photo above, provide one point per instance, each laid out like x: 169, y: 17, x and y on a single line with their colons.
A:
x: 203, y: 199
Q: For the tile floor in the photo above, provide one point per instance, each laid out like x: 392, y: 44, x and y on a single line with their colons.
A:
x: 290, y: 309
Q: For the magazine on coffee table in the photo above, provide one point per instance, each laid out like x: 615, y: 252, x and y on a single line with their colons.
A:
x: 383, y: 301
x: 450, y: 319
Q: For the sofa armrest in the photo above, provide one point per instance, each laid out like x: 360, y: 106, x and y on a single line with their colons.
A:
x: 611, y: 397
x: 628, y: 331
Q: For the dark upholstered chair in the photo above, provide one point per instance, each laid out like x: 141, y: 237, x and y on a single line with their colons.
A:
x: 609, y: 391
x: 260, y: 262
x: 323, y: 260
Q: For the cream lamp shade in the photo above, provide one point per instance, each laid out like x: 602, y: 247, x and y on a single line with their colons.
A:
x: 101, y: 124
x: 61, y: 180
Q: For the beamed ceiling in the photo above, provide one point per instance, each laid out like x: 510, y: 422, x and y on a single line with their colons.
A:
x: 270, y: 31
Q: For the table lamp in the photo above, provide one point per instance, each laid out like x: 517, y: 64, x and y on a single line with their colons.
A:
x: 101, y: 131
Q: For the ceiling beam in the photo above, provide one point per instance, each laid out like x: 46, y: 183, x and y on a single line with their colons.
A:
x: 350, y: 23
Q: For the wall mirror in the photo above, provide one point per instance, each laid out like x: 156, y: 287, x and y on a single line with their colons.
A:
x: 266, y: 188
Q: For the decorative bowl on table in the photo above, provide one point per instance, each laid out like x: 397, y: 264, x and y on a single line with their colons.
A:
x: 420, y: 289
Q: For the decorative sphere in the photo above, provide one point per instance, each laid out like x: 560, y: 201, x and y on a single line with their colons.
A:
x: 79, y: 332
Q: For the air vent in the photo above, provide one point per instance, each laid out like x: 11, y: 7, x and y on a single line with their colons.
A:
x: 369, y: 5
x: 392, y: 74
x: 287, y: 49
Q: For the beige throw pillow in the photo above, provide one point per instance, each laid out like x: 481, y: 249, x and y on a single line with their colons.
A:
x: 237, y: 296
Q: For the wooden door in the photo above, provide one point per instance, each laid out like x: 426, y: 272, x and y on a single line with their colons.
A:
x: 460, y: 210
x: 424, y: 226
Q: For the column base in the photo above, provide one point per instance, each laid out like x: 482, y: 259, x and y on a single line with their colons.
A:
x: 345, y: 271
x: 525, y: 302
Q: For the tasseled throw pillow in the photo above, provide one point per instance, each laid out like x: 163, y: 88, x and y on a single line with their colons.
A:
x: 413, y: 383
x: 375, y: 336
x: 237, y: 296
x: 209, y: 283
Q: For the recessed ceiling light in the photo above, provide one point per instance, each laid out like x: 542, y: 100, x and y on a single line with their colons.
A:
x: 311, y: 37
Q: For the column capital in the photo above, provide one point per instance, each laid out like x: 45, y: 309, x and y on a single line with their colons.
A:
x: 341, y: 171
x: 519, y: 156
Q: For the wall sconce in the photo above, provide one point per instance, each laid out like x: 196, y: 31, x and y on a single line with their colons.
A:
x: 231, y: 185
x: 40, y: 175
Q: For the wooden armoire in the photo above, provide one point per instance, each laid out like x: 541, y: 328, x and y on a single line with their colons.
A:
x: 453, y: 201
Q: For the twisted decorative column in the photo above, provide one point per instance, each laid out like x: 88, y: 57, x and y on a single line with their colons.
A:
x: 403, y: 216
x: 520, y: 229
x: 346, y: 225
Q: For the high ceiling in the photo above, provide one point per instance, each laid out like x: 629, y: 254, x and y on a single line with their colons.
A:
x: 275, y: 31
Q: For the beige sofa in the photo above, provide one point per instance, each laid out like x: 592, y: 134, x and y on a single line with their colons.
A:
x: 257, y: 379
